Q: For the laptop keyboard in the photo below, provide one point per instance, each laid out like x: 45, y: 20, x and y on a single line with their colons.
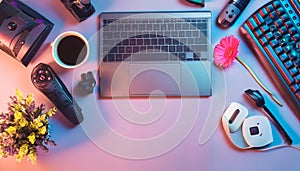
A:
x: 155, y: 39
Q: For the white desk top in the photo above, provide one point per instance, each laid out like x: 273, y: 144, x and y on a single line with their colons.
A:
x: 177, y: 137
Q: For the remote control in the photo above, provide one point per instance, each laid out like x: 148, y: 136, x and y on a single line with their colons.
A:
x: 45, y: 79
x: 231, y: 12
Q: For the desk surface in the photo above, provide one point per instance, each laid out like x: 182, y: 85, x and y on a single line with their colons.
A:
x: 186, y: 135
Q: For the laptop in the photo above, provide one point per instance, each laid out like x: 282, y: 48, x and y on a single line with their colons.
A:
x: 155, y: 54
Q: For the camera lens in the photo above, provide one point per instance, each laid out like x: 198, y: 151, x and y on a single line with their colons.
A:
x: 12, y: 26
x: 254, y: 130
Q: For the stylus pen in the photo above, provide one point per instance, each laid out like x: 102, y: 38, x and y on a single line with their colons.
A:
x: 279, y: 127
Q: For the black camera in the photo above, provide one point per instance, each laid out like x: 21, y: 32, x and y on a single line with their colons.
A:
x: 80, y: 9
x: 22, y: 30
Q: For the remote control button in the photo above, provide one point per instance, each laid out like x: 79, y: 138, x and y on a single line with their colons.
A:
x: 42, y: 77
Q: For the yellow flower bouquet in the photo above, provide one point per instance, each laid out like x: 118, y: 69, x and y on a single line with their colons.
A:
x: 24, y: 128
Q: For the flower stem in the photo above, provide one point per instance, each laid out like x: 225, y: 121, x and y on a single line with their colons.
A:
x: 258, y: 81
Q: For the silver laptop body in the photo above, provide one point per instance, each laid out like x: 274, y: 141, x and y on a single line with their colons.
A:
x: 155, y: 53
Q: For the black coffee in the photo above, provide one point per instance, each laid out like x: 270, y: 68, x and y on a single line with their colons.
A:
x: 71, y: 50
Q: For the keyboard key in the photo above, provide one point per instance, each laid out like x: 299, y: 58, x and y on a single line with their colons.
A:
x: 126, y: 56
x: 142, y: 27
x: 201, y: 26
x: 113, y: 50
x: 288, y: 24
x: 288, y: 64
x: 274, y: 15
x: 295, y: 88
x: 196, y: 48
x: 119, y: 57
x: 252, y: 24
x: 294, y: 71
x: 259, y: 19
x: 287, y: 48
x: 177, y: 26
x: 283, y: 30
x: 296, y: 37
x: 135, y: 49
x: 292, y: 30
x: 176, y: 42
x: 120, y: 27
x: 277, y: 34
x: 149, y: 27
x: 283, y: 57
x: 278, y: 50
x: 264, y: 28
x: 128, y: 49
x: 179, y: 48
x: 284, y: 17
x: 182, y: 56
x: 156, y: 27
x: 111, y: 57
x: 276, y: 4
x: 274, y: 43
x: 157, y: 48
x: 269, y: 8
x: 171, y: 26
x: 125, y: 42
x: 153, y: 41
x: 143, y: 48
x: 107, y: 35
x: 174, y: 34
x: 297, y: 78
x: 188, y: 34
x: 263, y: 12
x: 139, y: 41
x: 263, y: 41
x: 165, y: 48
x: 269, y: 35
x: 181, y: 34
x: 124, y: 35
x: 185, y: 26
x: 196, y: 33
x: 135, y: 27
x: 280, y: 11
x: 121, y: 49
x: 297, y: 61
x: 132, y: 41
x: 108, y: 43
x: 171, y: 49
x: 147, y: 42
x: 278, y: 23
x: 174, y: 56
x: 168, y: 41
x: 189, y: 56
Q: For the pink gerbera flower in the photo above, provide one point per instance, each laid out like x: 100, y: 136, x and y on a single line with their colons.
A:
x: 226, y: 51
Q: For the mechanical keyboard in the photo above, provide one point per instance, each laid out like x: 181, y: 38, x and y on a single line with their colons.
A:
x: 274, y: 33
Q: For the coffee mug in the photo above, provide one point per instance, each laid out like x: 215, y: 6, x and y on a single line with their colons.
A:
x: 70, y: 49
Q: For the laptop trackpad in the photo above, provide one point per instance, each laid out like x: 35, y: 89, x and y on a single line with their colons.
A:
x: 154, y: 79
